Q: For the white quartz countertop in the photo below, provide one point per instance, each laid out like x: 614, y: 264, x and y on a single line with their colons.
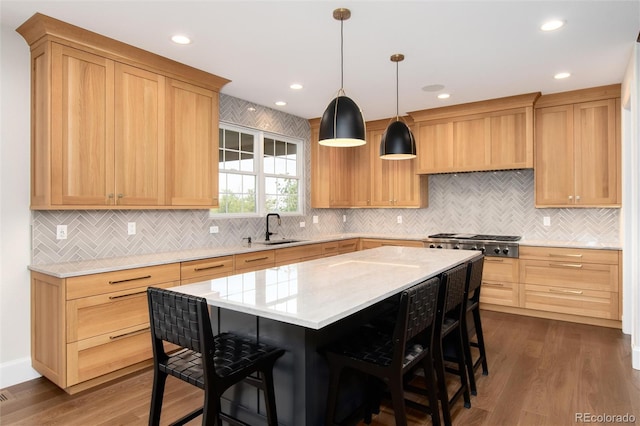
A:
x: 316, y: 293
x: 95, y: 266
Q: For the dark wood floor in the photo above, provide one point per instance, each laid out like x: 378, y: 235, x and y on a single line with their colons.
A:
x: 541, y: 372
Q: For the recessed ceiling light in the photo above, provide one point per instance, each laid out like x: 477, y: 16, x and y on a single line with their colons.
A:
x: 444, y: 96
x: 296, y: 86
x: 433, y: 88
x: 561, y: 75
x: 552, y: 25
x: 180, y: 39
x: 281, y: 103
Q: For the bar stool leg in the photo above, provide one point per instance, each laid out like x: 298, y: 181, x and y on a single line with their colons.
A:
x: 159, y: 380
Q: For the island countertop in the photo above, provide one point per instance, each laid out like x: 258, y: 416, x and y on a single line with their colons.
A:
x: 317, y: 293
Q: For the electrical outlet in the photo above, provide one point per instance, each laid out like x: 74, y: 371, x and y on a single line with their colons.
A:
x: 315, y: 219
x: 131, y: 228
x: 213, y: 229
x: 344, y: 218
x: 399, y: 219
x: 546, y: 221
x: 61, y: 232
x: 302, y: 224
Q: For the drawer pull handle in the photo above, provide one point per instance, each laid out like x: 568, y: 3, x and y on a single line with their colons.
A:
x: 566, y: 265
x: 132, y: 333
x: 488, y: 259
x: 220, y: 265
x: 564, y: 255
x: 127, y: 295
x: 130, y: 279
x: 556, y: 290
x: 331, y: 248
x: 256, y: 259
x: 493, y: 284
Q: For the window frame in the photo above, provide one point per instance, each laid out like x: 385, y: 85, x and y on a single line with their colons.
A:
x: 259, y: 173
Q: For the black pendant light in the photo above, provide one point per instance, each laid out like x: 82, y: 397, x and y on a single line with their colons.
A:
x: 342, y: 124
x: 397, y: 142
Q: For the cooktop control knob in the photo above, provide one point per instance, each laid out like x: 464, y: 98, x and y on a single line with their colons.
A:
x: 497, y: 250
x: 474, y: 248
x: 456, y: 247
x: 505, y: 250
x: 439, y: 246
x: 483, y: 249
x: 432, y: 246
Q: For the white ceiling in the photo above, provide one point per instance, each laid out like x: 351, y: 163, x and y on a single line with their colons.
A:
x: 476, y: 49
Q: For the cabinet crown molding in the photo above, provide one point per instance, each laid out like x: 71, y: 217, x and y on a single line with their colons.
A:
x: 42, y: 28
x: 583, y: 95
x: 480, y: 107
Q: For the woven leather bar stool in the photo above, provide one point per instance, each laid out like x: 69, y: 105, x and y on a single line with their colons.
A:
x: 448, y: 324
x: 389, y: 355
x: 212, y: 363
x: 474, y: 281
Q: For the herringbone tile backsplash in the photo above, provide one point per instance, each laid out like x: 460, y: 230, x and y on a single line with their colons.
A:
x: 488, y: 202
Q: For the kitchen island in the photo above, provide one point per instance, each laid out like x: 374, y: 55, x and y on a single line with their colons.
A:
x: 302, y: 306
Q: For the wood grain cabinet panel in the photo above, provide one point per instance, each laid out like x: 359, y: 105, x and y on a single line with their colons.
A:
x: 333, y: 248
x: 578, y: 149
x: 253, y: 261
x: 369, y: 243
x: 101, y: 116
x: 496, y: 134
x: 205, y: 269
x: 500, y: 282
x: 288, y: 255
x: 581, y: 282
x: 86, y: 330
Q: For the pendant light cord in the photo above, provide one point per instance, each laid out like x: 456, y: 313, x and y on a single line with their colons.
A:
x: 397, y: 93
x: 342, y: 56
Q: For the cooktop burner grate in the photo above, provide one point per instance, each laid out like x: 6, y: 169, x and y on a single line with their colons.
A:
x: 477, y: 237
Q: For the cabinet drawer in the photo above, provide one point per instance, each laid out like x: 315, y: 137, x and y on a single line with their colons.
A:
x: 285, y: 256
x: 108, y: 313
x: 91, y: 285
x: 257, y: 260
x: 500, y: 270
x: 205, y: 269
x: 573, y: 275
x: 503, y: 293
x: 90, y: 358
x: 609, y: 257
x: 589, y: 303
x: 370, y: 243
x: 333, y: 248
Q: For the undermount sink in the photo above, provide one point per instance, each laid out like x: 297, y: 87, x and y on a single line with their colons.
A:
x: 275, y: 242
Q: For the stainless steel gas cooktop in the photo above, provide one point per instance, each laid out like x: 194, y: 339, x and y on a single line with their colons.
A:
x: 490, y: 245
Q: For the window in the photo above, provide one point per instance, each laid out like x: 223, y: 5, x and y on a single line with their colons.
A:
x: 259, y: 173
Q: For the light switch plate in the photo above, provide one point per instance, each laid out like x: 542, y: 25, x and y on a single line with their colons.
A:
x: 302, y: 224
x: 315, y: 219
x: 131, y: 228
x: 399, y: 219
x: 546, y: 221
x: 213, y: 229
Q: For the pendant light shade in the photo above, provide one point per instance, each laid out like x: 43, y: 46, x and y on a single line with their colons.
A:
x: 397, y: 141
x: 342, y: 124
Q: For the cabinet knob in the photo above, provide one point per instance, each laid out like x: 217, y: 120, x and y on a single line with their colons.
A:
x: 577, y: 198
x: 120, y: 195
x: 571, y: 197
x: 110, y: 197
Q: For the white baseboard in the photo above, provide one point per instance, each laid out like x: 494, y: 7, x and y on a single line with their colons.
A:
x: 17, y: 371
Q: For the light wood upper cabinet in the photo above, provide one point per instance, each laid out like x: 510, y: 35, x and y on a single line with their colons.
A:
x: 331, y: 173
x: 139, y: 136
x: 578, y: 149
x: 117, y: 127
x: 394, y: 183
x: 490, y: 135
x: 192, y: 145
x: 82, y: 118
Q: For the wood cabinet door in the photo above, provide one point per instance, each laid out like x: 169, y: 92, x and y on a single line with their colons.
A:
x: 320, y: 171
x: 381, y: 173
x: 139, y: 137
x: 435, y: 147
x: 406, y: 185
x: 361, y: 192
x: 192, y: 145
x: 554, y: 156
x: 340, y: 176
x: 597, y: 153
x: 82, y: 140
x: 511, y: 140
x: 471, y: 141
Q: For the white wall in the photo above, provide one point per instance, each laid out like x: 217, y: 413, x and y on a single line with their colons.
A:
x: 15, y: 250
x: 631, y: 204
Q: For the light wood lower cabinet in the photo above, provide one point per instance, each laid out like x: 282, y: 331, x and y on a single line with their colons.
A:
x: 289, y: 255
x: 247, y: 262
x: 580, y: 282
x: 369, y: 243
x: 499, y: 282
x: 89, y: 329
x: 334, y: 248
x: 206, y: 269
